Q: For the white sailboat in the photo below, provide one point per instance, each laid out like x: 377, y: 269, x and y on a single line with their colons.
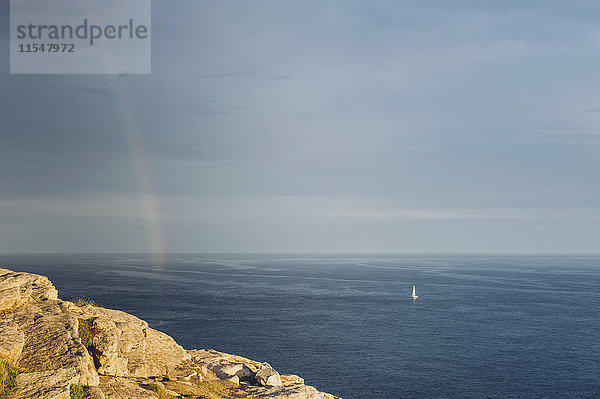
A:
x: 414, y: 293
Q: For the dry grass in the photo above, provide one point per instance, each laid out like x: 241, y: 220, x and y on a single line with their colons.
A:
x: 206, y: 389
x: 217, y: 389
x: 162, y: 393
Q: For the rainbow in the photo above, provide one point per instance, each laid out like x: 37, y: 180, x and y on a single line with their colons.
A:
x: 149, y: 201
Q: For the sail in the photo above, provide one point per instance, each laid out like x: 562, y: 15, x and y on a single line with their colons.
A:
x: 414, y: 291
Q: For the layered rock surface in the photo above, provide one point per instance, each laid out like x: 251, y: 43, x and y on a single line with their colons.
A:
x: 120, y: 356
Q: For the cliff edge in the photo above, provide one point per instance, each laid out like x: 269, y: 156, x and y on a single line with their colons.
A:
x: 63, y: 350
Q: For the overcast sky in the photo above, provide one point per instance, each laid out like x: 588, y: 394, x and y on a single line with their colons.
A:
x: 397, y: 126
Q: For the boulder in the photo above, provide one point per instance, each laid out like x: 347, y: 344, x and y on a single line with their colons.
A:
x: 51, y: 341
x: 124, y: 345
x: 290, y: 379
x: 234, y: 372
x: 296, y: 391
x: 17, y: 289
x: 268, y: 377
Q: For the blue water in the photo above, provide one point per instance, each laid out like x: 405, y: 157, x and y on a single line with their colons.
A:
x: 483, y: 326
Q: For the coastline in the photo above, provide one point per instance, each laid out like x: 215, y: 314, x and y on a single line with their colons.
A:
x: 59, y: 346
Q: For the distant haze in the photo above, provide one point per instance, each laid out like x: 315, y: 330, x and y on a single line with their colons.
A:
x: 396, y: 126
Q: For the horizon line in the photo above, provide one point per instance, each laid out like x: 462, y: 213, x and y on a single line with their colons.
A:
x: 293, y: 253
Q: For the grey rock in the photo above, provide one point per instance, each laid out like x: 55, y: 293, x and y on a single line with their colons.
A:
x: 295, y: 391
x: 49, y: 384
x: 126, y: 387
x: 268, y: 377
x: 290, y: 379
x: 11, y: 340
x: 51, y: 341
x: 95, y: 393
x: 127, y: 347
x: 20, y: 288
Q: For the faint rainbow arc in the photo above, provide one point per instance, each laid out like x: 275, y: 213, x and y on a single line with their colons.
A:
x: 149, y: 201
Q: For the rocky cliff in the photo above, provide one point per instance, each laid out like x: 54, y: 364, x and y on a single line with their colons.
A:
x: 68, y: 350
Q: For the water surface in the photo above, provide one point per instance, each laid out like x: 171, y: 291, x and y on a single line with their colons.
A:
x: 483, y: 326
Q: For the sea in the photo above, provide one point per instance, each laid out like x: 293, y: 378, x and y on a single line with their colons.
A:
x: 484, y: 326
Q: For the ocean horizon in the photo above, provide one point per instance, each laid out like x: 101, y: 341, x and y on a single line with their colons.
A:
x: 484, y: 325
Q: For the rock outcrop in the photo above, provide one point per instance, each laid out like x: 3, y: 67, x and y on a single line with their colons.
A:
x: 125, y: 346
x: 56, y: 345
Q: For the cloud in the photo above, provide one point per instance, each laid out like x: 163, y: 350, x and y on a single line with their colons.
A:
x: 412, y: 148
x: 470, y: 214
x: 279, y: 76
x: 398, y: 111
x: 559, y: 137
x: 591, y: 111
x: 254, y: 75
x: 98, y: 206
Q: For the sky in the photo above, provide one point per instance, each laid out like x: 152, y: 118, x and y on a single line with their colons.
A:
x: 316, y: 126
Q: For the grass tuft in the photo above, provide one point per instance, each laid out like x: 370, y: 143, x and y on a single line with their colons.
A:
x: 86, y: 332
x: 76, y: 391
x: 8, y: 379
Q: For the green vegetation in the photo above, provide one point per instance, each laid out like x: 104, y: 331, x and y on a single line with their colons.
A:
x: 8, y: 379
x: 81, y: 301
x: 86, y: 333
x: 162, y: 393
x: 76, y: 391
